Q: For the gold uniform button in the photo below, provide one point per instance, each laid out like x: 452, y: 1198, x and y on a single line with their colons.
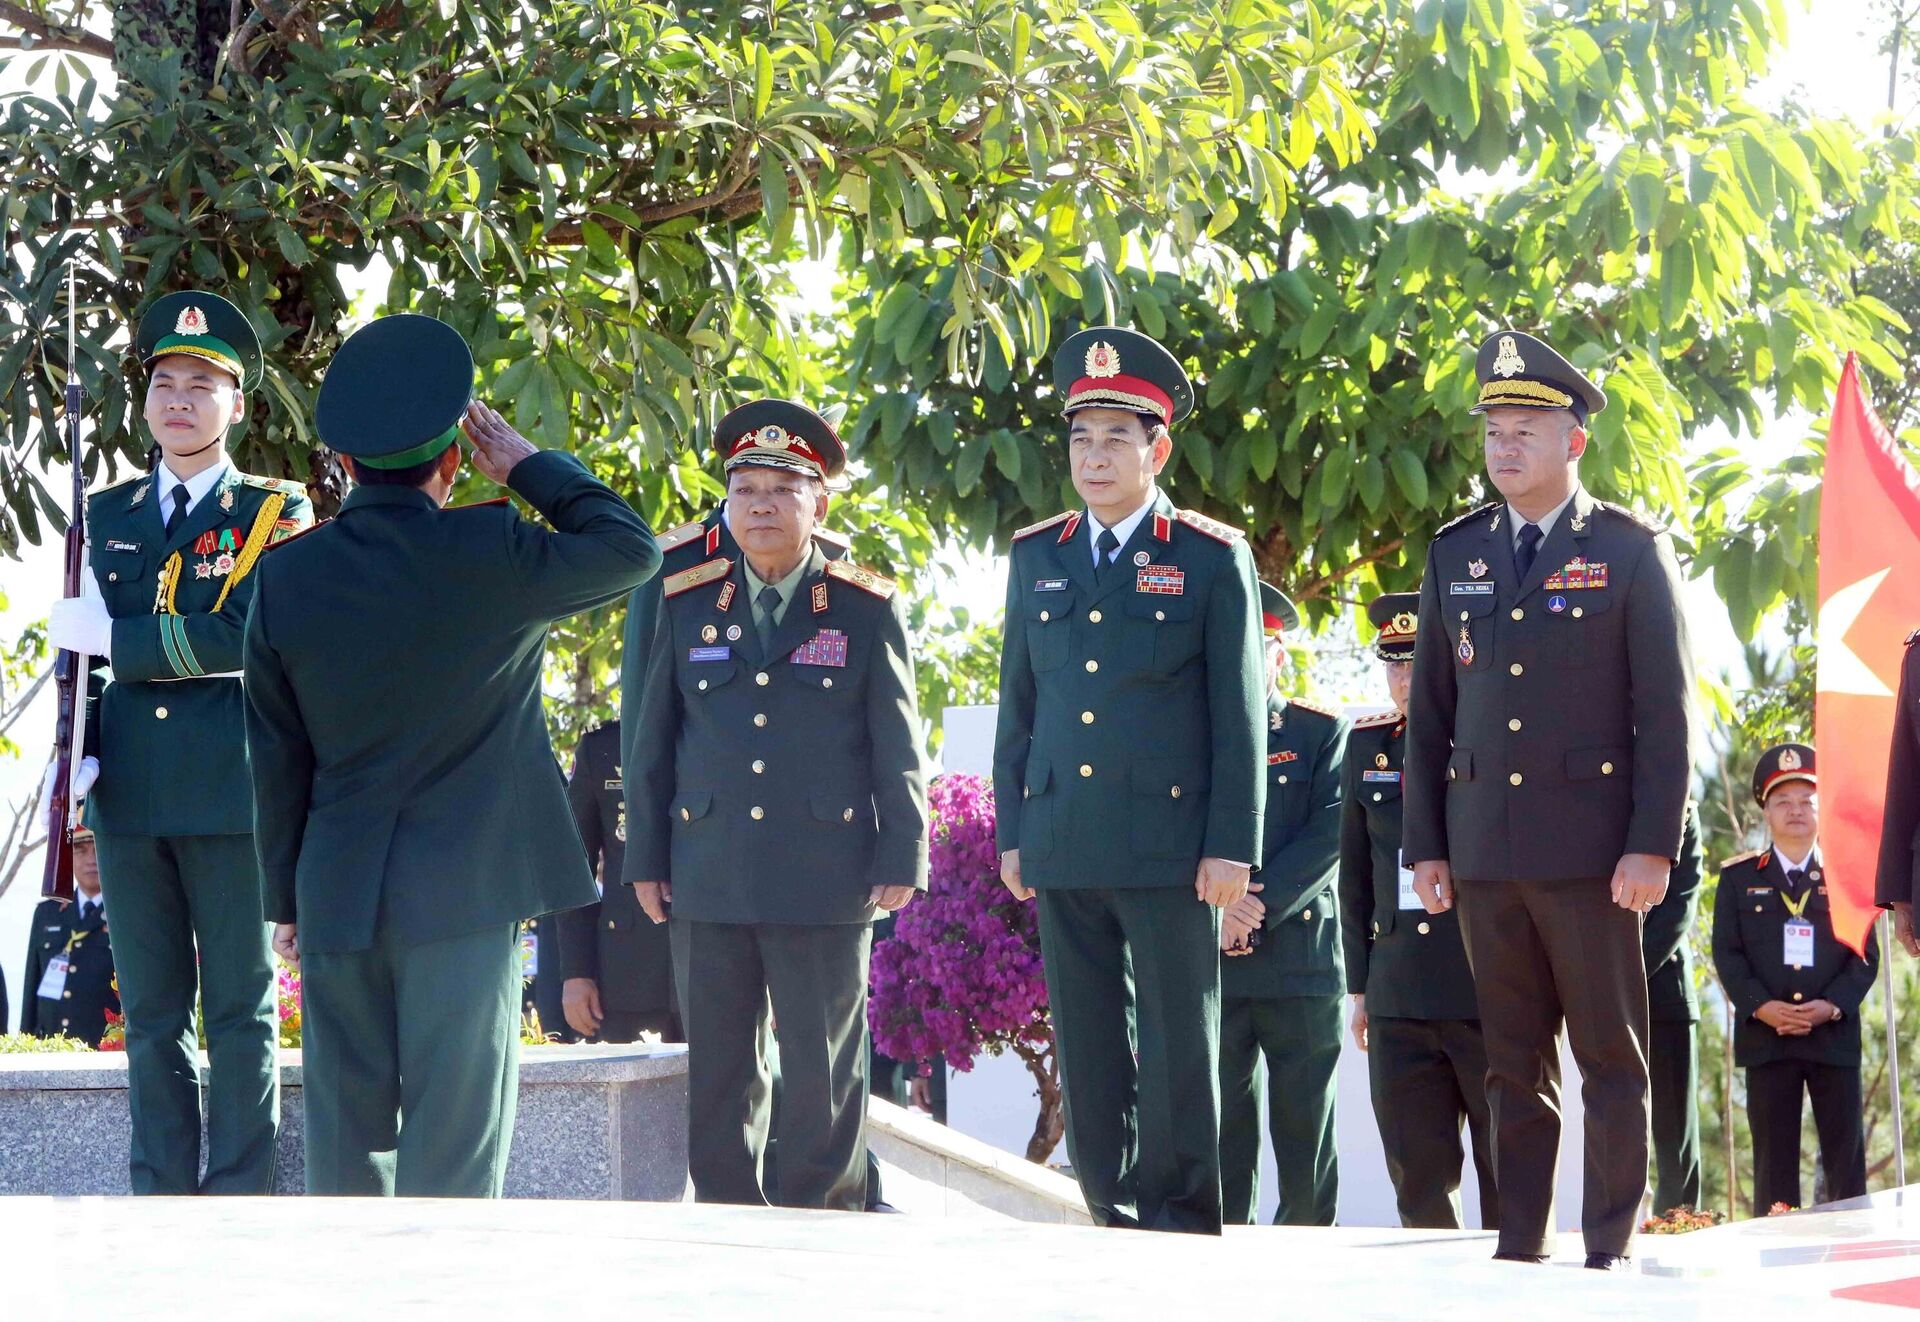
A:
x: 760, y: 718
x: 1514, y: 723
x: 1092, y: 665
x: 1756, y: 908
x: 1376, y: 796
x: 761, y: 679
x: 759, y: 767
x: 1085, y: 770
x: 1026, y: 792
x: 1519, y: 614
x: 1045, y: 616
x: 1606, y: 768
x: 69, y: 996
x: 1796, y: 995
x: 1425, y: 928
x: 1175, y: 791
x: 756, y: 812
x: 847, y: 816
x: 160, y: 713
x: 1094, y: 617
x: 1515, y: 778
x: 65, y: 1022
x: 1578, y: 612
x: 1516, y: 669
x: 1307, y: 916
x: 1086, y: 718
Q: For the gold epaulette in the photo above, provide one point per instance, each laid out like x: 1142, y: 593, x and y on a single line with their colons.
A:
x: 686, y: 532
x: 1468, y: 517
x: 280, y: 484
x: 1044, y: 524
x: 864, y: 579
x: 839, y: 541
x: 1313, y: 707
x: 1742, y: 858
x: 1379, y: 718
x: 688, y: 579
x: 1220, y: 532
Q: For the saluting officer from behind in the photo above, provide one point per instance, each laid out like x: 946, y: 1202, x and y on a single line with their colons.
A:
x: 173, y: 555
x: 1128, y: 782
x: 1414, y: 1010
x: 1673, y: 1010
x: 1280, y: 981
x: 69, y: 984
x: 1547, y: 767
x: 778, y: 797
x: 1796, y: 991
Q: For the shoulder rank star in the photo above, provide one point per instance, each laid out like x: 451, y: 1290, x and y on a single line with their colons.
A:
x: 1477, y: 569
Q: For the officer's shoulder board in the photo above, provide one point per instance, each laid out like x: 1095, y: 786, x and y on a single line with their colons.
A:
x: 688, y: 579
x: 1045, y: 524
x: 285, y: 534
x: 279, y: 484
x: 1634, y: 517
x: 839, y: 541
x: 1468, y: 517
x: 1738, y: 859
x: 1200, y: 523
x: 864, y: 579
x: 1378, y: 721
x: 1313, y: 707
x: 1912, y: 636
x: 679, y: 537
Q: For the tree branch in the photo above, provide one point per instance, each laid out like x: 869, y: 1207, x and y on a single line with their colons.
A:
x: 1314, y: 587
x: 51, y: 36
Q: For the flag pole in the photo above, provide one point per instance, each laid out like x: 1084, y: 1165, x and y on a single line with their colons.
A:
x: 1893, y: 1051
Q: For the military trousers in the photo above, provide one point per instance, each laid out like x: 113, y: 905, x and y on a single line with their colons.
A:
x: 814, y: 977
x: 1546, y: 954
x: 1299, y: 1039
x: 412, y: 1064
x: 1673, y: 1071
x: 1133, y: 977
x: 186, y: 919
x: 1428, y: 1077
x: 1774, y: 1093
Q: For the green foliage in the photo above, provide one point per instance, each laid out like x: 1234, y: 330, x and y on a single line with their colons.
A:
x: 25, y: 1044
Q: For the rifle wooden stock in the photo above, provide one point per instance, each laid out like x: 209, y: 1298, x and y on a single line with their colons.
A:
x: 69, y: 678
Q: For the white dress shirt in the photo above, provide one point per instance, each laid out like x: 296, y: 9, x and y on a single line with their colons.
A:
x: 1122, y: 530
x: 1544, y: 523
x: 197, y: 486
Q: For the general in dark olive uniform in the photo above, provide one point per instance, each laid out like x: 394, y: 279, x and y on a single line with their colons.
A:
x: 1796, y: 991
x: 1281, y: 977
x: 1129, y: 779
x: 1673, y: 1049
x: 174, y: 555
x: 1414, y: 1010
x: 616, y: 961
x: 69, y: 984
x: 777, y: 798
x: 1546, y: 778
x: 411, y: 810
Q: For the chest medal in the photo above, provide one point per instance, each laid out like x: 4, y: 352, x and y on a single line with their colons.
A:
x: 1465, y: 650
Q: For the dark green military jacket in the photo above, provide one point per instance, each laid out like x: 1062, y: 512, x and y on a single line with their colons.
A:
x: 681, y: 549
x: 170, y: 739
x: 779, y: 787
x: 1548, y: 733
x: 612, y: 942
x: 1299, y: 949
x: 1750, y: 912
x: 1897, y: 879
x: 81, y: 1008
x: 1667, y: 952
x: 1131, y: 712
x: 394, y: 714
x: 1408, y: 963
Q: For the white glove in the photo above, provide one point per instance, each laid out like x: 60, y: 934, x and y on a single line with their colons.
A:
x: 85, y: 773
x: 82, y: 624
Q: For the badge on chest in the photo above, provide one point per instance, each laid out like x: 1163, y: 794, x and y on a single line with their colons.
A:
x: 1160, y: 580
x: 827, y: 647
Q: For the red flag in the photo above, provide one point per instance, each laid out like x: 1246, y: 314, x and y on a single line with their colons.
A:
x: 1869, y: 602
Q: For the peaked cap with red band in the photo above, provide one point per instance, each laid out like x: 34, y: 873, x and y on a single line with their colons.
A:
x: 775, y: 433
x: 1397, y: 617
x: 1780, y: 764
x: 1115, y: 368
x: 1278, y: 614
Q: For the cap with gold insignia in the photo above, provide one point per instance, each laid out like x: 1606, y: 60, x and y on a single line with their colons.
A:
x: 204, y: 326
x: 394, y: 393
x: 1518, y: 370
x: 1116, y: 368
x: 1278, y: 614
x: 776, y: 433
x: 1780, y: 764
x: 1397, y: 616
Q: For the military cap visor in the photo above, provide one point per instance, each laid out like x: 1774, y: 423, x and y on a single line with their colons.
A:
x: 1781, y: 765
x: 1518, y: 370
x: 1278, y: 614
x: 1396, y: 617
x: 1113, y: 367
x: 394, y: 394
x: 196, y: 324
x: 776, y: 433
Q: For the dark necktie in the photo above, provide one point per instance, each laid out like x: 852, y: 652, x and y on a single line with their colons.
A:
x: 1528, y: 548
x: 1105, y: 544
x: 769, y: 602
x: 179, y: 511
x: 1796, y: 877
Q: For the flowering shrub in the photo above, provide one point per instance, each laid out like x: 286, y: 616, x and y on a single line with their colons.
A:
x: 286, y: 990
x: 1679, y: 1221
x: 962, y: 973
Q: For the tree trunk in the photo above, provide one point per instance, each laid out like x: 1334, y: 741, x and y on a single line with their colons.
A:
x: 1051, y: 1123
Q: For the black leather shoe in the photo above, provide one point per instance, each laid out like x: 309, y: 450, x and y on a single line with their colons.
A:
x: 1609, y: 1262
x: 1536, y: 1259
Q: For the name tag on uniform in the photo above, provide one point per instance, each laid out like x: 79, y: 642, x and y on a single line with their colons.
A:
x: 1051, y: 585
x: 709, y: 653
x: 1380, y: 777
x: 1161, y: 580
x: 1799, y: 943
x: 113, y: 545
x: 1409, y: 898
x: 1470, y: 589
x: 828, y: 647
x: 53, y: 982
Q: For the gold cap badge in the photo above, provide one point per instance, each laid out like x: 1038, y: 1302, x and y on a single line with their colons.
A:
x: 1789, y: 760
x: 192, y: 321
x: 1509, y: 362
x: 1103, y: 360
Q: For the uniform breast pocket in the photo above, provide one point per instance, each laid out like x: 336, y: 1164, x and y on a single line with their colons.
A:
x: 1163, y: 632
x: 1471, y: 620
x: 1380, y: 797
x: 830, y: 681
x: 1584, y: 629
x: 1049, y: 616
x: 121, y: 575
x: 1287, y: 784
x: 701, y: 678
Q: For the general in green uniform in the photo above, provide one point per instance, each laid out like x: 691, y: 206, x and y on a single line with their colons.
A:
x: 1546, y: 778
x: 1414, y: 1009
x: 1129, y: 782
x: 1796, y: 991
x: 1281, y: 979
x: 411, y: 810
x: 1673, y: 1013
x: 174, y: 555
x: 777, y: 798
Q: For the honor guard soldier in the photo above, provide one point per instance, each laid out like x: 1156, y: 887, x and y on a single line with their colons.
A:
x: 778, y: 801
x: 1897, y: 879
x: 1129, y: 779
x: 615, y: 959
x: 1414, y: 1011
x: 1673, y: 1010
x: 69, y: 985
x: 1546, y: 778
x: 1281, y: 979
x: 1796, y: 991
x: 412, y: 813
x: 174, y: 554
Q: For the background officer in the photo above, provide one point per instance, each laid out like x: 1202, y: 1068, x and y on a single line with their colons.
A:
x: 778, y: 797
x: 1796, y: 991
x: 1281, y: 979
x: 69, y: 984
x: 616, y: 961
x: 173, y: 555
x: 1547, y: 763
x: 1129, y: 784
x: 412, y: 812
x: 1673, y: 1010
x: 1414, y: 1011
